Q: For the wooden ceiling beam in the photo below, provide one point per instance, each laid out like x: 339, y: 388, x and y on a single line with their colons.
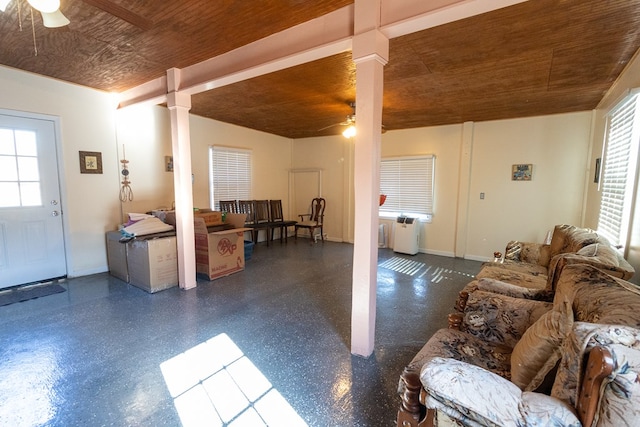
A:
x: 410, y: 16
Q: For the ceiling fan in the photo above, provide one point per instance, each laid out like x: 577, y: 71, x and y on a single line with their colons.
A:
x: 52, y: 17
x: 49, y: 9
x: 350, y: 122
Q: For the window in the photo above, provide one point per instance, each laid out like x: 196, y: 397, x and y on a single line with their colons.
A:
x: 230, y: 174
x: 618, y: 173
x: 19, y: 172
x: 408, y: 184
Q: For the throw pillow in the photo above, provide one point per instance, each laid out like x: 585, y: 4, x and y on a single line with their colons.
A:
x: 539, y: 347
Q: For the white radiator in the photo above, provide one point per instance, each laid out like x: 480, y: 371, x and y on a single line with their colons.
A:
x: 382, y: 236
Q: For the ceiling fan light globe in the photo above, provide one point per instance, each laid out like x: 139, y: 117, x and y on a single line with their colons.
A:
x: 349, y: 132
x: 54, y: 20
x: 45, y: 6
x: 4, y: 4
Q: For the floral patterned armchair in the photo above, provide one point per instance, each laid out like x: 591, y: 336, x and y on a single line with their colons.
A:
x: 514, y: 361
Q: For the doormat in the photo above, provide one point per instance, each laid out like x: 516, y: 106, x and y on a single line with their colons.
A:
x: 25, y: 293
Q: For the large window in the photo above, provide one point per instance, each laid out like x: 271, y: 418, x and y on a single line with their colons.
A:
x: 408, y: 184
x: 618, y: 174
x: 230, y: 174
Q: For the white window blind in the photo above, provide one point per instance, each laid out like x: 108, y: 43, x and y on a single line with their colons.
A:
x: 618, y: 173
x: 230, y: 174
x: 408, y: 184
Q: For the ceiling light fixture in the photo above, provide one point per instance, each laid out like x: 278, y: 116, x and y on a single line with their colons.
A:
x: 50, y: 11
x: 45, y: 6
x: 349, y: 132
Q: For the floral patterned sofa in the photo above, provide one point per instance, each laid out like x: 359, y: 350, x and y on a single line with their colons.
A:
x: 515, y: 361
x: 537, y: 266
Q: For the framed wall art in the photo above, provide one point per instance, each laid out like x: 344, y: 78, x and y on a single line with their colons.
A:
x: 522, y: 172
x: 90, y: 162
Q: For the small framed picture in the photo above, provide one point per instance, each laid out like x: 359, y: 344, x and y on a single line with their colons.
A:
x: 168, y: 163
x: 90, y: 162
x: 521, y: 172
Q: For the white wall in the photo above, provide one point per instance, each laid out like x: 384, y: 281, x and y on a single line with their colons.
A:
x: 437, y: 237
x: 334, y: 156
x: 557, y: 147
x: 90, y: 201
x: 271, y: 159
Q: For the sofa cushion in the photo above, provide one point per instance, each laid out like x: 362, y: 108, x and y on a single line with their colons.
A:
x: 569, y: 238
x: 538, y: 350
x: 518, y: 278
x: 500, y: 319
x: 604, y: 254
x: 598, y: 297
x: 454, y: 344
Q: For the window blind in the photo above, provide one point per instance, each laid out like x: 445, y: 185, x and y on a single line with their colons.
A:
x: 230, y: 174
x: 618, y: 172
x: 408, y: 184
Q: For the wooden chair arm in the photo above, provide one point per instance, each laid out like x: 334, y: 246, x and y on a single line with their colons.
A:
x: 455, y: 320
x: 599, y: 366
x: 411, y: 411
x: 461, y: 302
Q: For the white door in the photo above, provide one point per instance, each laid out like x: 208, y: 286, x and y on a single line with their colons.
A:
x: 31, y: 236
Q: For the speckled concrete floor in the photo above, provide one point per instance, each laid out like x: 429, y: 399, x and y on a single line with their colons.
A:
x: 105, y: 353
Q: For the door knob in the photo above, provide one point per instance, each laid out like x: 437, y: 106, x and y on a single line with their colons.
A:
x: 55, y: 213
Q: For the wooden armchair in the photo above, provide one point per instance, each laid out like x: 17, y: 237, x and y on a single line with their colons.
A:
x: 313, y: 220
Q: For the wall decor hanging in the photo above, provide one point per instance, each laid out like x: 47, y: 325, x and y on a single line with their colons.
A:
x: 126, y: 193
x: 522, y: 172
x: 90, y: 162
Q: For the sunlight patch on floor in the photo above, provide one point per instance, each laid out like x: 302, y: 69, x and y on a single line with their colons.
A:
x: 215, y: 384
x: 420, y: 269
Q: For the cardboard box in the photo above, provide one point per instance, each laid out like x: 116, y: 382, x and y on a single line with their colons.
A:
x: 209, y: 217
x: 153, y: 263
x: 117, y: 256
x: 220, y: 253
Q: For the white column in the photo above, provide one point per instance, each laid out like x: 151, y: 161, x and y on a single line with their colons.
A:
x: 179, y: 105
x: 370, y: 53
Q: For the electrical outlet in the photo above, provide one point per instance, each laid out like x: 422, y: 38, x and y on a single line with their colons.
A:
x: 481, y: 196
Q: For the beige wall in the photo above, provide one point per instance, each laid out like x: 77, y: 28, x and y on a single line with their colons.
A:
x: 470, y: 158
x: 271, y: 159
x: 90, y: 201
x: 629, y: 79
x: 557, y: 147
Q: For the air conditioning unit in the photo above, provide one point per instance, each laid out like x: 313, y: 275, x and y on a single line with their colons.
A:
x: 406, y: 235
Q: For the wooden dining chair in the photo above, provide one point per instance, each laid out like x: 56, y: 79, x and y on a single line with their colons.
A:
x: 313, y: 220
x: 278, y: 221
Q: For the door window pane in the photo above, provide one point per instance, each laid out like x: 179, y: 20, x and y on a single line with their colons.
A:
x: 8, y: 168
x: 6, y: 142
x: 28, y: 169
x: 26, y: 143
x: 10, y: 194
x: 30, y: 193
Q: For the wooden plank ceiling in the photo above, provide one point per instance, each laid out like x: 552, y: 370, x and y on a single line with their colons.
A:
x: 533, y: 58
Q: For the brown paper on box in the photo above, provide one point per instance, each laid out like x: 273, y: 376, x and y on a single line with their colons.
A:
x: 218, y: 253
x: 210, y: 217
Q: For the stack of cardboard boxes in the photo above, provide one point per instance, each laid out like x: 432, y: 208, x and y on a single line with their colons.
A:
x: 151, y: 262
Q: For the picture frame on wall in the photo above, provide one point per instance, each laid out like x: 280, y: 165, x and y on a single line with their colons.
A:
x: 90, y: 162
x: 522, y: 172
